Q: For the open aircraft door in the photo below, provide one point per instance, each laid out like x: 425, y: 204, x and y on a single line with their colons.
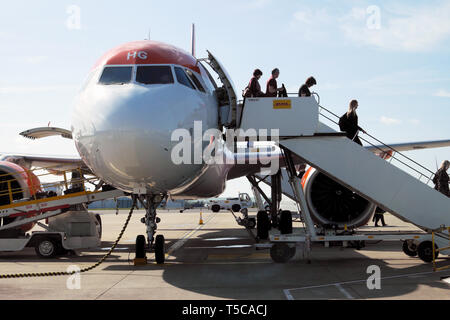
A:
x: 228, y: 101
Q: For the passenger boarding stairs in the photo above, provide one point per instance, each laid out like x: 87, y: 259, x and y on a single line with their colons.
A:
x: 355, y: 167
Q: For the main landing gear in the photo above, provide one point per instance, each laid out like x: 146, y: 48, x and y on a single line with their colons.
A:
x: 150, y: 203
x: 272, y: 216
x: 281, y: 249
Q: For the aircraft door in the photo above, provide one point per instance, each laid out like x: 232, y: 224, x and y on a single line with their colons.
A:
x: 228, y: 102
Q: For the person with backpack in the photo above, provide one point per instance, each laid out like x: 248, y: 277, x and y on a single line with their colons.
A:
x: 348, y: 123
x: 441, y: 179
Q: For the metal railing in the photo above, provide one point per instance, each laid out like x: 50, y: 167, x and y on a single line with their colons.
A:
x: 391, y: 154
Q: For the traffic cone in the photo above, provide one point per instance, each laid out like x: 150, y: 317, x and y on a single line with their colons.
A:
x: 201, y: 218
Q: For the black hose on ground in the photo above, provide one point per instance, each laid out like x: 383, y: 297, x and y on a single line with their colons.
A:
x: 65, y: 273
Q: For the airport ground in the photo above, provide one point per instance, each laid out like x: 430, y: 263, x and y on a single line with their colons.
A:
x: 217, y: 260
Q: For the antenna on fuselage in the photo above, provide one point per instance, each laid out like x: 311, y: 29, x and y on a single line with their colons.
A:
x: 149, y: 33
x: 193, y: 40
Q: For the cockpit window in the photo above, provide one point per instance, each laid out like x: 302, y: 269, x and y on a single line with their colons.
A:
x: 182, y: 78
x: 116, y: 75
x: 195, y: 80
x: 154, y: 75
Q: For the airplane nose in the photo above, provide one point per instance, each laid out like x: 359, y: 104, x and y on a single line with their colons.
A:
x: 126, y: 140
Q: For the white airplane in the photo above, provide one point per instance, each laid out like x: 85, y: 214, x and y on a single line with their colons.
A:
x: 134, y: 98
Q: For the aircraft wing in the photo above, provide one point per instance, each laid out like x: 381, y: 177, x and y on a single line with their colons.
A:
x: 411, y: 146
x: 52, y: 164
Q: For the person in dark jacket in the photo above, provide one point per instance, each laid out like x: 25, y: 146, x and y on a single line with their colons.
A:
x: 304, y: 89
x: 253, y: 89
x: 440, y: 179
x: 348, y: 123
x: 272, y: 86
x: 379, y: 215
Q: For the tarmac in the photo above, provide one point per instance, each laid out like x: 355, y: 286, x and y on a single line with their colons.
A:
x: 217, y: 260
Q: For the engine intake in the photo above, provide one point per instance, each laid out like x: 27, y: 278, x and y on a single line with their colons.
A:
x: 330, y: 203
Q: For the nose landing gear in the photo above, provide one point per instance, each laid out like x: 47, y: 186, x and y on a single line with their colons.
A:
x: 150, y: 203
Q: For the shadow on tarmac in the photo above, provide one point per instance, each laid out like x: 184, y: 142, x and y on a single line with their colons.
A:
x: 225, y: 270
x: 222, y: 263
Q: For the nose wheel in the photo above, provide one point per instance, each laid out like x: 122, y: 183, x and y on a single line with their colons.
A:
x: 150, y: 203
x: 140, y: 247
x: 159, y: 249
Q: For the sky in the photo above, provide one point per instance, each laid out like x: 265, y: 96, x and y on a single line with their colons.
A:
x: 393, y: 56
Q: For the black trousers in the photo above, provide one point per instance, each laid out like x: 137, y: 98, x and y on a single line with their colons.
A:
x: 357, y: 140
x: 354, y: 139
x: 377, y: 217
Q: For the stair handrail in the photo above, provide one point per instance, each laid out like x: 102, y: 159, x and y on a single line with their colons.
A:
x: 422, y: 174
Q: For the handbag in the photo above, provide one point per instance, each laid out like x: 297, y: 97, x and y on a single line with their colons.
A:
x: 246, y: 92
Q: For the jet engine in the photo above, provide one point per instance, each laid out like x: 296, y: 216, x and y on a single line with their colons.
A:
x: 333, y: 205
x: 23, y: 185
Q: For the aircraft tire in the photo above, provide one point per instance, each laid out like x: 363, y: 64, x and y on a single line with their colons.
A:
x: 262, y: 225
x: 99, y: 225
x: 285, y: 222
x: 140, y: 246
x: 159, y: 249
